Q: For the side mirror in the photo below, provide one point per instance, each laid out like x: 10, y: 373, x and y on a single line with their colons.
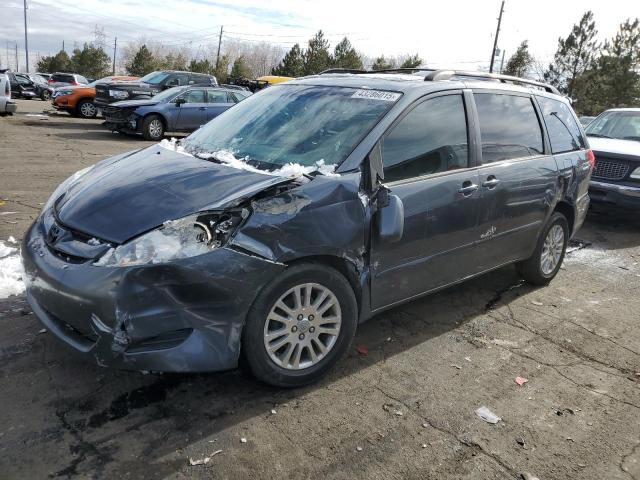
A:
x: 180, y: 101
x: 390, y: 217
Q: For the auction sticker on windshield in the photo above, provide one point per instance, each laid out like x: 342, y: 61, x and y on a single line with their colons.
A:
x: 376, y: 95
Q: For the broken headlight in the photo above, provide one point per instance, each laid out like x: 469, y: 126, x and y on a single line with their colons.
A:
x: 187, y: 237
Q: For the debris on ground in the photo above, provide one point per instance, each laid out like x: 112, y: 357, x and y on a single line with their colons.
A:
x: 424, y: 445
x: 243, y: 440
x: 468, y: 359
x: 487, y: 415
x: 539, y: 304
x: 425, y: 425
x: 359, y: 448
x: 42, y: 330
x: 203, y: 461
x: 456, y: 366
x: 390, y: 407
x: 527, y: 476
x: 362, y: 350
x: 273, y: 411
x: 521, y: 381
x: 520, y: 441
x: 563, y: 411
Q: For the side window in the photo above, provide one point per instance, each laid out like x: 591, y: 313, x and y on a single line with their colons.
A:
x: 82, y: 79
x: 564, y: 133
x: 200, y: 79
x: 177, y: 80
x: 509, y: 127
x: 217, y: 96
x: 431, y: 138
x: 193, y: 96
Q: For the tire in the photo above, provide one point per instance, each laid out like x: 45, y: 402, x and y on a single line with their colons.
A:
x: 541, y: 267
x: 86, y: 109
x: 153, y: 128
x: 45, y: 95
x: 276, y: 368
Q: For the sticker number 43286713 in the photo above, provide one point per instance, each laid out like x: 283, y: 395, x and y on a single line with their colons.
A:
x: 376, y: 95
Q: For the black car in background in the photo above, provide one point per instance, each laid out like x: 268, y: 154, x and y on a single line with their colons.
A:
x: 149, y: 85
x: 29, y: 85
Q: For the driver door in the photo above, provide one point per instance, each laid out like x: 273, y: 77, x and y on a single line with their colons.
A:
x: 428, y: 164
x: 193, y: 112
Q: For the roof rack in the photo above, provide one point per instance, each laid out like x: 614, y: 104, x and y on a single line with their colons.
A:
x: 342, y: 70
x: 447, y: 74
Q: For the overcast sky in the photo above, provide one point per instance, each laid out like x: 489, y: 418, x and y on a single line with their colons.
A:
x: 456, y: 33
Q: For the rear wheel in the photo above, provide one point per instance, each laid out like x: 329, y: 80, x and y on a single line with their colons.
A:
x: 299, y: 326
x: 86, y: 109
x: 152, y: 128
x: 45, y: 95
x: 547, y: 258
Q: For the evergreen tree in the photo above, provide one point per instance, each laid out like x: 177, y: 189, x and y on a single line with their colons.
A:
x: 345, y: 56
x: 142, y: 63
x: 575, y: 55
x: 381, y: 63
x: 317, y: 57
x: 292, y: 65
x: 92, y: 62
x: 619, y: 66
x: 221, y: 72
x: 519, y: 64
x: 412, y: 61
x: 173, y: 61
x: 240, y: 69
x: 201, y: 66
x: 60, y: 62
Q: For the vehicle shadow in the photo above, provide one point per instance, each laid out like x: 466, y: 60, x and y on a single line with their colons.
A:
x: 173, y: 407
x: 611, y: 228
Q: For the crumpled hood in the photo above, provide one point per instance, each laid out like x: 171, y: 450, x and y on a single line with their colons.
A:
x: 122, y: 198
x: 134, y: 103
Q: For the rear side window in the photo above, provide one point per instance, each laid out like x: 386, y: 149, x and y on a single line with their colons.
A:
x: 239, y: 96
x: 509, y: 127
x: 63, y: 78
x: 82, y: 79
x: 217, y: 96
x: 431, y: 138
x: 201, y: 79
x: 564, y: 133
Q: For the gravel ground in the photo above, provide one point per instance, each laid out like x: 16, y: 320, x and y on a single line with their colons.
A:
x: 404, y: 410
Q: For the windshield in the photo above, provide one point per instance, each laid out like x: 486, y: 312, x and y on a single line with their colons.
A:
x: 300, y: 124
x: 154, y: 78
x: 168, y: 94
x: 622, y: 125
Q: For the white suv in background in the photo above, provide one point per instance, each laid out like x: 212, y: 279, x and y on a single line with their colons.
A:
x: 6, y: 105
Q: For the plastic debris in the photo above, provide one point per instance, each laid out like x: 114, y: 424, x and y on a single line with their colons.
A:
x: 273, y: 411
x: 362, y: 350
x: 487, y: 415
x: 521, y: 380
x: 42, y: 330
x: 203, y: 461
x: 468, y: 359
x: 243, y: 440
x: 359, y: 448
x: 539, y: 304
x: 425, y: 425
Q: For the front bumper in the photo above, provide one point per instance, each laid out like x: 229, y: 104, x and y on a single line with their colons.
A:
x: 625, y: 196
x: 183, y: 316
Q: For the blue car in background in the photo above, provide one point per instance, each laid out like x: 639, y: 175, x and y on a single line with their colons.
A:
x: 178, y: 109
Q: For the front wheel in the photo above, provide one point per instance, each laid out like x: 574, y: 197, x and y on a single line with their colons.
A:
x: 547, y: 258
x: 86, y: 109
x: 300, y: 325
x: 153, y: 128
x: 45, y: 95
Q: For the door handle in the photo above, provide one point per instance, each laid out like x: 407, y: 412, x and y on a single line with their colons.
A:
x: 467, y: 188
x: 202, y: 108
x: 491, y: 182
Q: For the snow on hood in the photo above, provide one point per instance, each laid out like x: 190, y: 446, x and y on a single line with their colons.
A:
x: 11, y: 271
x: 615, y: 145
x: 227, y: 157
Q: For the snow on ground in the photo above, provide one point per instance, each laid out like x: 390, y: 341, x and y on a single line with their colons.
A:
x: 228, y: 158
x: 11, y: 270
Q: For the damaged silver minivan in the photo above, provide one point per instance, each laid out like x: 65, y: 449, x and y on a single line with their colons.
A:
x: 275, y: 229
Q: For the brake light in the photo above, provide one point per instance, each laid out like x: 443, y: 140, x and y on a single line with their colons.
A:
x: 591, y: 158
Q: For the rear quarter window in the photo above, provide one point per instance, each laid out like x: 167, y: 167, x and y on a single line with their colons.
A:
x: 562, y: 127
x: 509, y: 127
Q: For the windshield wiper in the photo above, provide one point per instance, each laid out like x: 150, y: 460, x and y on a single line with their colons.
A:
x: 598, y: 135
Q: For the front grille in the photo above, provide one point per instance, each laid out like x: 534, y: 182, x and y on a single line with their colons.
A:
x: 113, y: 114
x: 610, y: 170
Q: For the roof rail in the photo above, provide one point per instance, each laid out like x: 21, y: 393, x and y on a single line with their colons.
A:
x: 386, y: 70
x: 342, y: 70
x: 447, y: 74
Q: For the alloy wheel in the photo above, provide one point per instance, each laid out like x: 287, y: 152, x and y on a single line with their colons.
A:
x: 155, y: 128
x: 302, y: 326
x: 88, y: 109
x: 552, y: 249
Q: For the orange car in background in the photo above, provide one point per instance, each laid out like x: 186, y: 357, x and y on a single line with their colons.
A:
x: 78, y: 99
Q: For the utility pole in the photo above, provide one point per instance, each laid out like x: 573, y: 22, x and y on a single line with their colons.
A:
x: 17, y: 67
x: 26, y: 41
x: 115, y: 46
x: 219, y: 42
x: 495, y: 40
x: 63, y: 45
x: 502, y: 61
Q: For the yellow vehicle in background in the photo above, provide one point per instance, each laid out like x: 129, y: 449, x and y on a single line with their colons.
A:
x: 273, y: 79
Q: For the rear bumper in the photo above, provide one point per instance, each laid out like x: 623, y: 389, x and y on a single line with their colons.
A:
x: 10, y: 107
x: 615, y: 194
x: 183, y: 316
